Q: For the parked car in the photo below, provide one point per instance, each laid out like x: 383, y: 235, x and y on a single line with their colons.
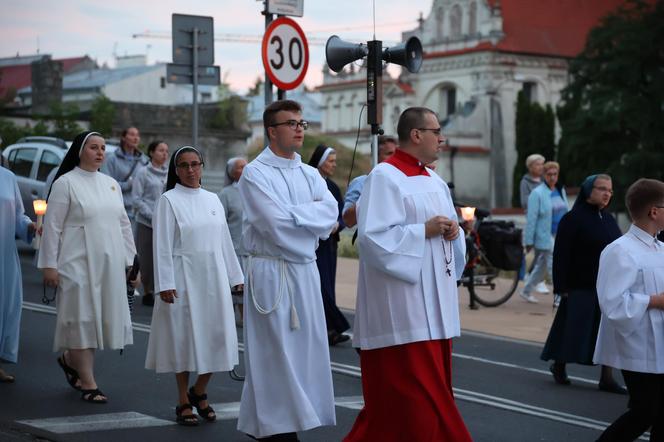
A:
x: 34, y: 160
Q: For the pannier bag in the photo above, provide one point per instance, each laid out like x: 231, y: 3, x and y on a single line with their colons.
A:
x: 501, y: 242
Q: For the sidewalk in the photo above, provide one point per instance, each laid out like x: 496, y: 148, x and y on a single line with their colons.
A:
x: 515, y: 319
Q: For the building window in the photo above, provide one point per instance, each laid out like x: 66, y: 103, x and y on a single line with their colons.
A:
x: 440, y: 23
x: 455, y: 21
x: 447, y: 105
x: 530, y: 91
x: 472, y: 19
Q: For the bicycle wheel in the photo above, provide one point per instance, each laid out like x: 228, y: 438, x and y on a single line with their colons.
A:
x: 492, y: 286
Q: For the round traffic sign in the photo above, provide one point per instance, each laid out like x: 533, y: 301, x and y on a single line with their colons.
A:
x: 285, y: 53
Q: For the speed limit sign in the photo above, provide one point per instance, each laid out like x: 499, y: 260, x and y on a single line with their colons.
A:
x: 285, y: 53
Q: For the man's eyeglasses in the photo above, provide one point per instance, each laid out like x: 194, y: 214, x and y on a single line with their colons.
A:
x: 435, y: 131
x: 195, y: 165
x: 604, y: 189
x: 293, y: 124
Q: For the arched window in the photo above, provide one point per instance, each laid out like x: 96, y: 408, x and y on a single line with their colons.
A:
x: 447, y: 102
x: 440, y: 23
x: 472, y: 19
x: 455, y: 21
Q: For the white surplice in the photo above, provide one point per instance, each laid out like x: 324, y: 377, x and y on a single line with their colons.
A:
x: 87, y: 238
x: 404, y: 293
x: 193, y: 255
x: 288, y: 385
x: 631, y: 336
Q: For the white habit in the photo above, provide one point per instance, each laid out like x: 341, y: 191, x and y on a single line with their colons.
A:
x: 404, y: 293
x: 631, y: 336
x: 193, y: 255
x: 288, y: 385
x: 87, y: 238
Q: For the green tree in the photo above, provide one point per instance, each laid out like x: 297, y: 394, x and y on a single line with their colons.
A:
x: 612, y: 111
x: 102, y: 114
x: 534, y: 134
x: 64, y: 120
x: 230, y: 114
x: 257, y: 88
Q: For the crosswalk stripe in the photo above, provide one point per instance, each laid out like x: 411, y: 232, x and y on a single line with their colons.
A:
x: 95, y: 422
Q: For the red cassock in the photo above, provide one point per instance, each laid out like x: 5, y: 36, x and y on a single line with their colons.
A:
x: 408, y: 395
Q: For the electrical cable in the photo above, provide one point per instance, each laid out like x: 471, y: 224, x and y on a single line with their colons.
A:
x: 357, y: 139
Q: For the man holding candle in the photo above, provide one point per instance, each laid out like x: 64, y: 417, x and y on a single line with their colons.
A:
x: 13, y: 223
x: 407, y: 301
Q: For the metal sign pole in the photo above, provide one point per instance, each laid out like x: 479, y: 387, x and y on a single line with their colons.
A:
x: 268, y: 82
x: 195, y: 89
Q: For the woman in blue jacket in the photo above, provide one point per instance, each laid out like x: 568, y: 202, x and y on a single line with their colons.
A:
x: 547, y: 204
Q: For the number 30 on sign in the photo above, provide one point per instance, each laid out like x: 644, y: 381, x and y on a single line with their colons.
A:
x: 285, y: 53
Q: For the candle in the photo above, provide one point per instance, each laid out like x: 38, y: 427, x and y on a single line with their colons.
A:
x: 468, y: 213
x: 40, y: 210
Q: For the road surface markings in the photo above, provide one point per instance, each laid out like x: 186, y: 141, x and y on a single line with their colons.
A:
x: 95, y: 422
x: 356, y: 402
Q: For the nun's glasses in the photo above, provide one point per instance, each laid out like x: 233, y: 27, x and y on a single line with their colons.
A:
x: 194, y: 165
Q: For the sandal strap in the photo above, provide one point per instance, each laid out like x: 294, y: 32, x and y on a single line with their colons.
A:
x: 180, y: 408
x: 196, y: 398
x: 92, y: 394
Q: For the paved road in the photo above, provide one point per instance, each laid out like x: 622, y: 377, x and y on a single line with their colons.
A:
x: 503, y: 390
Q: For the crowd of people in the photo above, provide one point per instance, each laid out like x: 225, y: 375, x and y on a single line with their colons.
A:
x: 263, y: 255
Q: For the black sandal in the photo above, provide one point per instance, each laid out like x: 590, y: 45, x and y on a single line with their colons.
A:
x: 71, y: 374
x: 188, y: 420
x: 94, y: 396
x: 206, y: 413
x: 6, y: 378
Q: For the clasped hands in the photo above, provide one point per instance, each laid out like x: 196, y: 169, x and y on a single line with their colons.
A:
x: 168, y: 296
x: 442, y: 226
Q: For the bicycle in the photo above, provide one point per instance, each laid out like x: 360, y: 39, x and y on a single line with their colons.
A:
x: 487, y: 284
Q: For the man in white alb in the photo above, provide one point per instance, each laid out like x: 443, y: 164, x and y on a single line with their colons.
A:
x: 287, y: 209
x: 411, y: 256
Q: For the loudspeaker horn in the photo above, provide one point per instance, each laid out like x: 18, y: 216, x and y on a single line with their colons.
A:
x: 339, y: 53
x: 408, y: 54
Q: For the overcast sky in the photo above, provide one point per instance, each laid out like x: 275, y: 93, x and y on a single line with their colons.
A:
x: 70, y: 28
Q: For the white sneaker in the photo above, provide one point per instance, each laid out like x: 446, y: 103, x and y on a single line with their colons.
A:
x: 542, y: 288
x: 528, y: 297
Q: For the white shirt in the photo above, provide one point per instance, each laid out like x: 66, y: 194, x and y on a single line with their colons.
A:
x: 404, y: 293
x: 631, y: 336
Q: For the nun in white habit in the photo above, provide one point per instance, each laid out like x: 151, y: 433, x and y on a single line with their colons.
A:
x: 86, y: 248
x: 193, y: 326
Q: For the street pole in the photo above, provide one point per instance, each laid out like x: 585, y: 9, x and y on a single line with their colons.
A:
x: 195, y: 82
x: 268, y: 82
x: 375, y: 94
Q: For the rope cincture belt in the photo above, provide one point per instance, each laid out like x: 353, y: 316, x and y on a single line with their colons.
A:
x: 283, y: 281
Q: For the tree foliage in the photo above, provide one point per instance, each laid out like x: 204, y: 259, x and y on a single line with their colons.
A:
x: 534, y: 134
x: 612, y: 111
x: 230, y: 114
x: 63, y: 117
x: 102, y: 114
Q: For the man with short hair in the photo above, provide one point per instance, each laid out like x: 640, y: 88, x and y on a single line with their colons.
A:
x: 287, y: 210
x: 630, y: 289
x: 386, y: 147
x: 407, y: 299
